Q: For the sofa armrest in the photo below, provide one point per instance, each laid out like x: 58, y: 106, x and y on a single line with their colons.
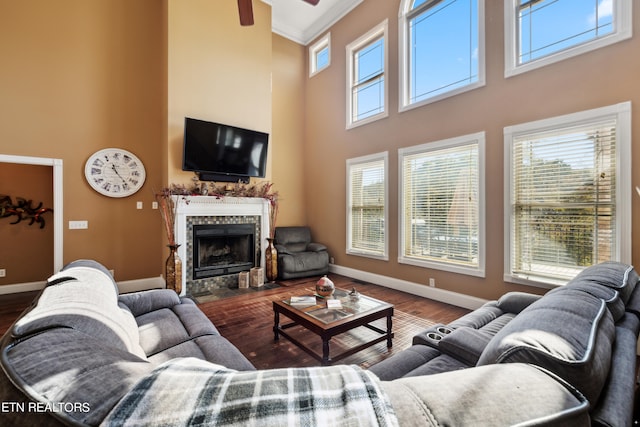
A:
x: 282, y: 250
x: 492, y: 395
x: 465, y: 344
x: 146, y: 301
x: 316, y: 247
x: 515, y: 302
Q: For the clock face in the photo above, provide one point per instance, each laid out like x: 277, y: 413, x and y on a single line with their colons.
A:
x: 114, y: 172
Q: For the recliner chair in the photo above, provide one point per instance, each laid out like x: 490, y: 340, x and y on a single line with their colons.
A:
x: 297, y: 255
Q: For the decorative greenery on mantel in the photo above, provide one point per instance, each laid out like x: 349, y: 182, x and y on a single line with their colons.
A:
x: 262, y: 190
x: 167, y: 206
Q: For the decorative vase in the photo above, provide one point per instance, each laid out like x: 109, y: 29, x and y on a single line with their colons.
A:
x: 271, y: 261
x: 173, y: 270
x: 325, y: 287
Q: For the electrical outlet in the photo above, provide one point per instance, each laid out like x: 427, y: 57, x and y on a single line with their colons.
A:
x: 3, y: 272
x: 432, y: 282
x: 138, y: 205
x: 154, y: 205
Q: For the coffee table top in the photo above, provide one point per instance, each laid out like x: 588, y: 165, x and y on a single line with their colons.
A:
x: 350, y: 307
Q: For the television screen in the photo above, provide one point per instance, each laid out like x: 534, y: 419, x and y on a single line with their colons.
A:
x: 223, y: 150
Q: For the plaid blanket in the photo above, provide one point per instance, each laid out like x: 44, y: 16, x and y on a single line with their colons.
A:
x: 191, y: 392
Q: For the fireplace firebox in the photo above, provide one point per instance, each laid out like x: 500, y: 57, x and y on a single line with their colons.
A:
x: 221, y: 249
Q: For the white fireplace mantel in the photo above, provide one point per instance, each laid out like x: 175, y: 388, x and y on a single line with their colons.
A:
x: 188, y: 206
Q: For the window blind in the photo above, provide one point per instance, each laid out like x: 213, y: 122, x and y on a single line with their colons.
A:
x: 441, y: 206
x: 563, y: 200
x: 367, y: 208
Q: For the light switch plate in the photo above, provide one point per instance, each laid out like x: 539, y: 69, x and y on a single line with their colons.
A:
x: 78, y: 225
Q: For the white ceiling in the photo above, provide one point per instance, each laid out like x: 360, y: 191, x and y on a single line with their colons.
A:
x: 301, y: 22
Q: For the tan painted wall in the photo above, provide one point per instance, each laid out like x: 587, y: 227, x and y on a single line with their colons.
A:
x: 78, y: 76
x: 26, y: 252
x: 592, y: 80
x: 289, y: 77
x: 217, y: 70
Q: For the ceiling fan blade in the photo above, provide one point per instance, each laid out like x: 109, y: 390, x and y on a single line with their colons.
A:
x: 245, y: 9
x: 312, y: 2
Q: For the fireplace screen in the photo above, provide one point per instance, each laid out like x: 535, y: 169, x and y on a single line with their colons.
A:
x: 220, y: 249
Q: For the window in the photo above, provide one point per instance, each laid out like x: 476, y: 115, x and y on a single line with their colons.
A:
x: 541, y: 32
x: 366, y: 75
x: 441, y: 49
x: 442, y: 205
x: 367, y: 206
x: 320, y: 55
x: 568, y: 195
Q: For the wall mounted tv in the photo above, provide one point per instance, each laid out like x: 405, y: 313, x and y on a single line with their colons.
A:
x: 218, y: 152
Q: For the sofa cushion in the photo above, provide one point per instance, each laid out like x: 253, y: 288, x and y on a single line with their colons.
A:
x: 568, y: 332
x: 621, y: 277
x: 84, y: 298
x: 495, y: 395
x: 63, y: 365
x: 613, y: 408
x: 146, y: 301
x: 404, y: 362
x: 608, y: 294
x: 304, y: 261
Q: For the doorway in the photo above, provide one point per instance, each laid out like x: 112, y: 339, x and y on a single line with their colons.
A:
x: 57, y: 222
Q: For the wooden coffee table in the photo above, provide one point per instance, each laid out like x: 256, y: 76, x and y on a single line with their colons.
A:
x: 329, y: 322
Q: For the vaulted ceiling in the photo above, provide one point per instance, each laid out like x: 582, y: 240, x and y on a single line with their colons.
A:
x: 302, y: 22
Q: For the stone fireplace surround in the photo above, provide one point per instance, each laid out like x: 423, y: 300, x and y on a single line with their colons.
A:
x: 212, y: 210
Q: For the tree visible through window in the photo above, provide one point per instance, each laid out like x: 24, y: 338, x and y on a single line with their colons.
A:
x: 367, y: 206
x: 442, y: 192
x: 564, y: 199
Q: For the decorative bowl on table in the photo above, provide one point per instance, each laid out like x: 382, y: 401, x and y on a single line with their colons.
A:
x: 325, y: 287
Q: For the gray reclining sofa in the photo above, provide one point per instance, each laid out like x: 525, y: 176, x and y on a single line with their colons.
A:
x: 83, y: 355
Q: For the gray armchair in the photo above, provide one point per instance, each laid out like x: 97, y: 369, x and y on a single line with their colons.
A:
x: 297, y: 255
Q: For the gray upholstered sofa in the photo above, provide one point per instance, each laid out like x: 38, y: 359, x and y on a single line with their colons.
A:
x: 84, y: 345
x: 583, y: 334
x: 82, y: 355
x: 298, y: 256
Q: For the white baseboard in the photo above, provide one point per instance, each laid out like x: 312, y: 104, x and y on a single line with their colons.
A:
x: 141, y: 284
x: 442, y: 295
x: 21, y: 287
x: 123, y: 286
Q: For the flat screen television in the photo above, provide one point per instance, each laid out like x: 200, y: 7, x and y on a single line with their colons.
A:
x: 218, y: 152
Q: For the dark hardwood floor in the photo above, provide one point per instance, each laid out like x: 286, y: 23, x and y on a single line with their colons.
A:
x: 246, y: 319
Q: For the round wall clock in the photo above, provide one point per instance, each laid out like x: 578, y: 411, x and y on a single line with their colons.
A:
x: 114, y: 172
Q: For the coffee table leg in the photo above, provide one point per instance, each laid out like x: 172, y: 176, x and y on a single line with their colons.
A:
x: 325, y: 351
x: 389, y: 333
x: 276, y: 325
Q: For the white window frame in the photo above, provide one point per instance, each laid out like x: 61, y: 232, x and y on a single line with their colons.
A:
x: 623, y: 29
x: 404, y: 59
x: 476, y: 138
x: 624, y: 193
x: 379, y: 31
x: 314, y: 51
x: 384, y: 156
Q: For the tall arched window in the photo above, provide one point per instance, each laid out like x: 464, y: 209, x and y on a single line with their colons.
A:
x: 441, y: 49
